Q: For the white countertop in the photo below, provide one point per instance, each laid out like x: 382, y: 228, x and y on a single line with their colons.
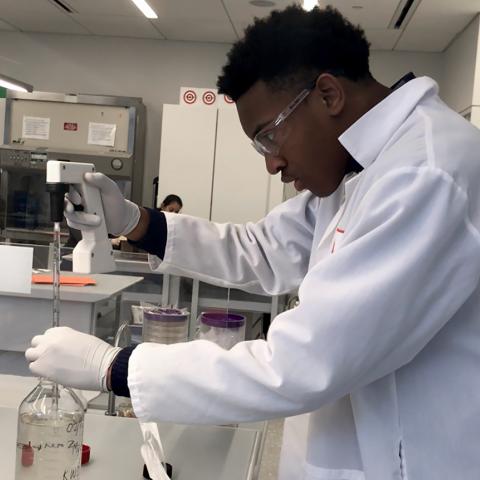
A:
x: 196, y: 452
x: 107, y: 285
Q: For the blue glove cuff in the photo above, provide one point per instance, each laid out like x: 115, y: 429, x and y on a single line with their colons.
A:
x: 119, y: 374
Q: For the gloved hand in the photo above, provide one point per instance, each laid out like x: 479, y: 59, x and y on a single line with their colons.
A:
x: 121, y: 215
x: 71, y: 358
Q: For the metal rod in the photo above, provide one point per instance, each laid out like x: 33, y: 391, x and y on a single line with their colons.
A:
x: 56, y: 292
x: 56, y: 274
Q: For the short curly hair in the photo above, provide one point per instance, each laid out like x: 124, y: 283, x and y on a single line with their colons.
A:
x: 291, y: 47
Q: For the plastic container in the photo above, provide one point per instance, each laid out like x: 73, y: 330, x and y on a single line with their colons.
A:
x: 50, y: 434
x: 165, y: 325
x: 224, y: 329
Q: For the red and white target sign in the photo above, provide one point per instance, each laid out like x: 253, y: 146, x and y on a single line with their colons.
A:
x: 201, y: 97
x: 204, y: 97
x: 209, y: 97
x: 189, y: 96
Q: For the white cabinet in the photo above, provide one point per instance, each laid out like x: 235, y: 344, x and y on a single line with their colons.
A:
x: 186, y: 157
x: 207, y: 159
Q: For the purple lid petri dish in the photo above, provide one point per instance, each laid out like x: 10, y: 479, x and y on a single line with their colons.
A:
x: 222, y: 319
x: 165, y: 315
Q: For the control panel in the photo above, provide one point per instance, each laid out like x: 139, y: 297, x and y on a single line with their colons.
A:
x: 10, y: 158
x: 118, y: 165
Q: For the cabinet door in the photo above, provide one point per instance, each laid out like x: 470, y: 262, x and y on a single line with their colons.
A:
x: 186, y: 157
x: 240, y: 181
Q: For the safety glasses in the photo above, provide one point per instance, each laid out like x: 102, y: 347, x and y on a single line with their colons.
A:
x: 269, y: 140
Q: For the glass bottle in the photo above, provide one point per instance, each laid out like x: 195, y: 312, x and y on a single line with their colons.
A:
x: 50, y: 434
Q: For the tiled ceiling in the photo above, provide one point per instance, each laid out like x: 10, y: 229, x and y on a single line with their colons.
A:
x: 431, y: 26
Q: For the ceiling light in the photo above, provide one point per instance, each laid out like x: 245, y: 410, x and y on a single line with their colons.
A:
x: 309, y: 4
x: 12, y: 84
x: 262, y: 3
x: 145, y: 8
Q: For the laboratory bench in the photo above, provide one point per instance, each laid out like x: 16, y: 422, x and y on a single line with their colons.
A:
x: 90, y: 309
x: 196, y: 452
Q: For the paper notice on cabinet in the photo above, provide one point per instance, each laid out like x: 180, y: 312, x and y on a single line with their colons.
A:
x: 17, y: 261
x: 101, y: 134
x: 36, y: 127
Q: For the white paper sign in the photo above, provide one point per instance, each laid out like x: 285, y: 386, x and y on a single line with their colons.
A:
x: 36, y: 127
x: 101, y: 134
x: 16, y: 269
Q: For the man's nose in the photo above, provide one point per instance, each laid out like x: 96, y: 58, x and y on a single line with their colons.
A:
x: 274, y: 164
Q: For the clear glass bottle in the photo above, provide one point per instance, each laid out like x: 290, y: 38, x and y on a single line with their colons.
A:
x: 50, y: 434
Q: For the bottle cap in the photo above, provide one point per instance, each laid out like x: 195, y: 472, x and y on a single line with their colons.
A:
x: 222, y: 319
x: 85, y: 454
x: 168, y: 470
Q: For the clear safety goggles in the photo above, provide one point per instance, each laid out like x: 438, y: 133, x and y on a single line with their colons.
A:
x: 269, y: 140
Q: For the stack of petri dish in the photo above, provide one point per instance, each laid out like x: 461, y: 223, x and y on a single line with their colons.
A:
x: 223, y: 328
x: 165, y: 325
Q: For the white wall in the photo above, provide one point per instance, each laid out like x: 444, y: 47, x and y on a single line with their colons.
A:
x: 460, y: 64
x: 389, y: 66
x: 151, y: 69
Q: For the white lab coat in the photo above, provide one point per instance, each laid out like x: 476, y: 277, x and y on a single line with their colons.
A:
x: 384, y: 347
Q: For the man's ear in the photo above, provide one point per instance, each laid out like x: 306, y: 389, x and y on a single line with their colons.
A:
x: 331, y: 93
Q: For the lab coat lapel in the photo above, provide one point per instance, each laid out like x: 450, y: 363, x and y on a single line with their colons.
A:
x: 335, y: 227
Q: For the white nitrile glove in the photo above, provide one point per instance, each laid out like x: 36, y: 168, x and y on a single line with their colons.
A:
x: 121, y: 215
x: 71, y: 358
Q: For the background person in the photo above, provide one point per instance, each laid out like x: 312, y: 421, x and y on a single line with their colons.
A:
x: 171, y: 203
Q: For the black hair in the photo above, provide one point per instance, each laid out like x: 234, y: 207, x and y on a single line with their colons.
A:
x: 292, y: 47
x: 172, y: 199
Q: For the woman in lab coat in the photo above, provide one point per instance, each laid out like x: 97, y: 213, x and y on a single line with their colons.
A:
x: 381, y: 357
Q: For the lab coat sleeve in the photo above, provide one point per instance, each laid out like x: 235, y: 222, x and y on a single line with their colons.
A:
x: 407, y: 263
x: 267, y: 257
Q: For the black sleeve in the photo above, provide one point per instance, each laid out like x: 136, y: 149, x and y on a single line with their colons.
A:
x: 155, y: 240
x: 119, y: 373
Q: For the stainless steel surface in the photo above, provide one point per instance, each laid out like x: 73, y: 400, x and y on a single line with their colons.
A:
x: 29, y: 161
x: 20, y: 156
x: 77, y: 98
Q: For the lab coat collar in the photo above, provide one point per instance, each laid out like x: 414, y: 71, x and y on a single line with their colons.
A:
x: 365, y: 139
x: 351, y: 181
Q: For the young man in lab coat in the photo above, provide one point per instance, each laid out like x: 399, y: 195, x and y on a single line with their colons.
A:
x: 382, y: 355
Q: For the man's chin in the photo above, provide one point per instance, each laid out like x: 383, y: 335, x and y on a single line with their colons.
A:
x: 298, y: 185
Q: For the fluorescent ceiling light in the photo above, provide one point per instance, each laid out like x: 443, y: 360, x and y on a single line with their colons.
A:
x: 145, y: 8
x: 12, y: 84
x: 309, y: 4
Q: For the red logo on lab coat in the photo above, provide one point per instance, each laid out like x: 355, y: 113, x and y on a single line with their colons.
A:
x: 337, y: 230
